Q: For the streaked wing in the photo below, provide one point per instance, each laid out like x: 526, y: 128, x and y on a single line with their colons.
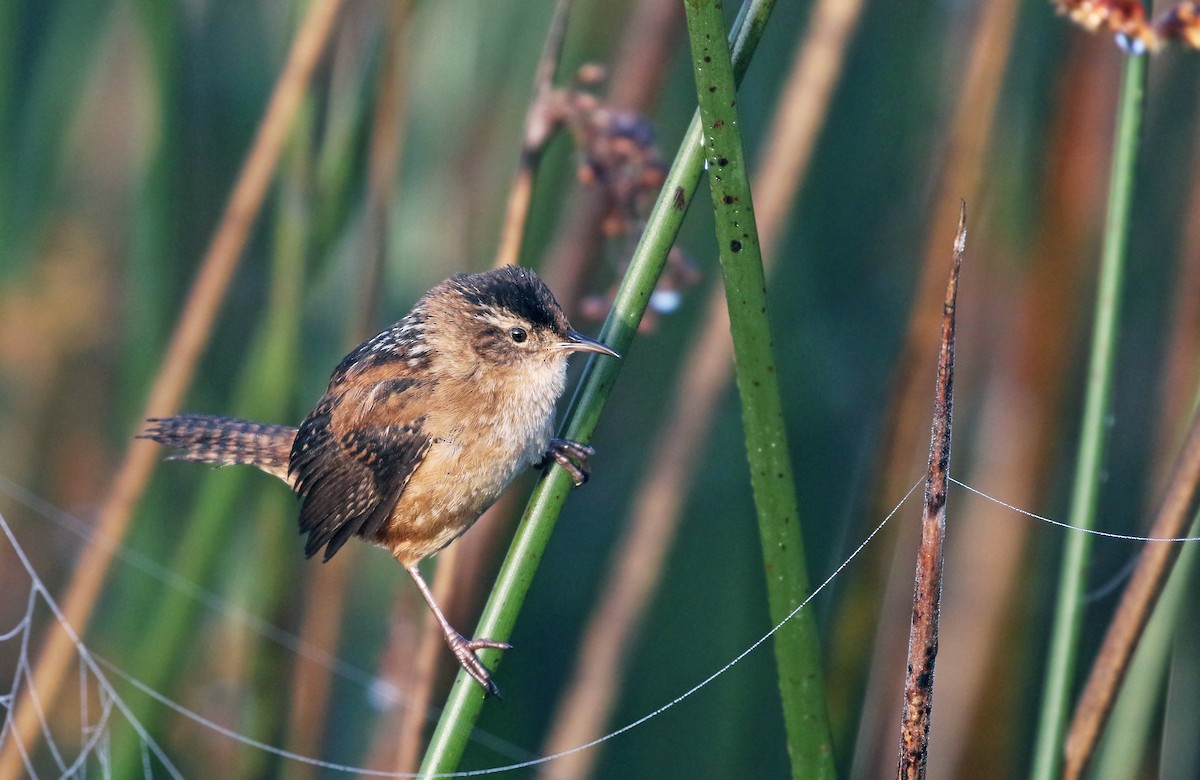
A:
x: 350, y: 483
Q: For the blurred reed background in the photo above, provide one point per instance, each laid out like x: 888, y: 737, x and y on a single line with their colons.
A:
x: 123, y: 126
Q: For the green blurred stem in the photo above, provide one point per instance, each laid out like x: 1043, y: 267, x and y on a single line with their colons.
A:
x: 1060, y: 671
x: 148, y: 281
x: 10, y: 14
x: 261, y: 394
x: 40, y: 108
x: 516, y: 574
x: 797, y: 645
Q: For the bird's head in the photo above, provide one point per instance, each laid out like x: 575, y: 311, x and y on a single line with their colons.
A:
x: 504, y: 323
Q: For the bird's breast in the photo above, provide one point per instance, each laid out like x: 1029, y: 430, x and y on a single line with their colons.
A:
x: 474, y: 456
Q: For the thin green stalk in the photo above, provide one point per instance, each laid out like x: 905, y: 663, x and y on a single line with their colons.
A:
x: 516, y: 574
x: 1060, y: 671
x: 797, y: 644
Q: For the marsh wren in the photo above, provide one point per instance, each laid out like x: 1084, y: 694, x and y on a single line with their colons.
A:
x: 421, y: 427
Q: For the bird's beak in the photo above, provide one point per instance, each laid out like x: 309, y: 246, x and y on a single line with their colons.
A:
x: 577, y: 342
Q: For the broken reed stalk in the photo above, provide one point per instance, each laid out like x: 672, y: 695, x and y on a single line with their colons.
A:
x: 927, y: 592
x: 1068, y: 617
x: 797, y: 644
x: 537, y: 133
x: 871, y: 638
x: 178, y: 366
x: 1137, y: 604
x: 599, y: 376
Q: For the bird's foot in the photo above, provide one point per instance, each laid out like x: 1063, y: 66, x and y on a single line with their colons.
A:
x: 572, y: 456
x: 464, y: 650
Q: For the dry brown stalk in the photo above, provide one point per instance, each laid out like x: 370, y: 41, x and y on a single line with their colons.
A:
x: 179, y: 364
x: 426, y: 662
x: 320, y: 629
x: 617, y: 154
x: 449, y: 574
x: 657, y: 505
x: 960, y: 175
x: 1182, y: 362
x: 383, y: 169
x: 927, y: 591
x: 1137, y: 604
x: 459, y: 582
x: 399, y: 672
x: 1020, y: 416
x: 326, y: 588
x: 538, y: 128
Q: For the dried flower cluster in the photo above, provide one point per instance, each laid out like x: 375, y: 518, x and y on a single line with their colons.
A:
x: 1181, y: 23
x: 1127, y: 18
x: 618, y: 153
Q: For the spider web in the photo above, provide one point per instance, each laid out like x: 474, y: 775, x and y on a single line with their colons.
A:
x: 42, y: 615
x: 68, y: 746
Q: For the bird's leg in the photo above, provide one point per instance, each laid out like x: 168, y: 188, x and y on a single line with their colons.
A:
x: 572, y: 456
x: 463, y: 649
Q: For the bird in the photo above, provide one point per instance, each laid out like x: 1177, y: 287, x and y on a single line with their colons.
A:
x: 420, y: 429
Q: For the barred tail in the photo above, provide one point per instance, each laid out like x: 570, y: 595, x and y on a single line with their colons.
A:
x: 204, y: 438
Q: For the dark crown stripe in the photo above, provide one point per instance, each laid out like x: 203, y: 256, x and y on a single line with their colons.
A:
x: 516, y: 289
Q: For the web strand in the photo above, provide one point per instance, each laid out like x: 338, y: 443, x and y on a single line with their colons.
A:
x: 95, y: 736
x: 38, y: 588
x: 94, y: 663
x: 1069, y: 527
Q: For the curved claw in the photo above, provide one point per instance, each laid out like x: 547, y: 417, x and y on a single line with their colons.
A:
x: 572, y: 456
x: 464, y: 651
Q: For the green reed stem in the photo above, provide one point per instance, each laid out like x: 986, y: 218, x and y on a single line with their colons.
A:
x: 797, y: 645
x: 599, y: 375
x: 1060, y: 672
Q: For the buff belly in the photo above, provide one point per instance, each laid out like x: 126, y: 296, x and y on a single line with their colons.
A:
x: 450, y: 490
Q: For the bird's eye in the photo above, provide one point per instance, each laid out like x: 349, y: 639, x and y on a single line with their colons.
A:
x: 518, y: 335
